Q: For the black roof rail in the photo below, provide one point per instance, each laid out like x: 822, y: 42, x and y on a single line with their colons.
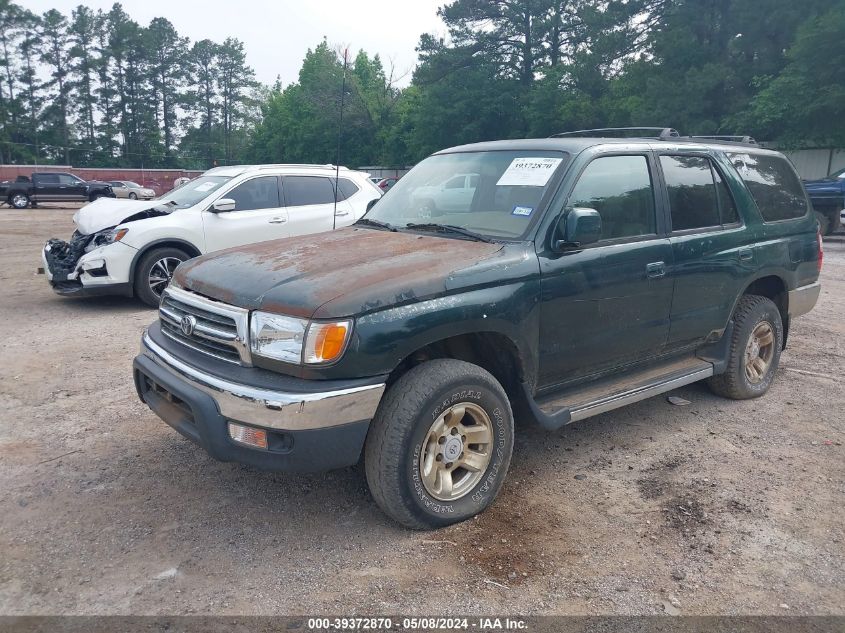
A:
x: 623, y: 132
x: 748, y: 140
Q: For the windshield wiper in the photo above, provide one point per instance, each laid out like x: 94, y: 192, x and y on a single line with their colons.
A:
x: 376, y: 223
x: 448, y: 228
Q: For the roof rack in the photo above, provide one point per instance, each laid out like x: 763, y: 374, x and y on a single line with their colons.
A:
x: 623, y: 132
x: 297, y: 165
x: 732, y: 139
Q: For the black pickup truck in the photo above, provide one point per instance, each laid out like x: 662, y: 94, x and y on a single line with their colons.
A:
x: 576, y: 276
x: 52, y: 187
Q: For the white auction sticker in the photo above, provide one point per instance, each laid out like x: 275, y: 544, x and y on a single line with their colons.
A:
x: 529, y: 172
x: 205, y: 186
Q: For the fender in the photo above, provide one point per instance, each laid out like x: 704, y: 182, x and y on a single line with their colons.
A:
x: 191, y: 249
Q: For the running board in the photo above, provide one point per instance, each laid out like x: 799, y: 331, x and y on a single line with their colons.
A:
x: 579, y: 403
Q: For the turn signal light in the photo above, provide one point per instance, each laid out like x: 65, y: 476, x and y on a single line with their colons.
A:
x: 326, y: 341
x: 248, y: 435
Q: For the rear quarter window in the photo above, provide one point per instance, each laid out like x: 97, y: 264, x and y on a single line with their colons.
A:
x: 774, y: 185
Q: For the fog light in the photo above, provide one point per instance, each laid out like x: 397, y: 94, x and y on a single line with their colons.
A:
x: 248, y: 435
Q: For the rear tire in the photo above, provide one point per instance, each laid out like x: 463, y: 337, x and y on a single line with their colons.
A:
x: 154, y: 272
x: 19, y: 200
x: 754, y: 352
x: 422, y: 467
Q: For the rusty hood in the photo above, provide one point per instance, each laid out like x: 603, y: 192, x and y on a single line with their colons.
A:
x: 347, y: 272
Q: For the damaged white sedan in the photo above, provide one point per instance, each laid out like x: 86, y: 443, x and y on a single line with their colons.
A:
x: 132, y: 248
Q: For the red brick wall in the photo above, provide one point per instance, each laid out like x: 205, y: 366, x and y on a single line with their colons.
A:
x: 161, y: 180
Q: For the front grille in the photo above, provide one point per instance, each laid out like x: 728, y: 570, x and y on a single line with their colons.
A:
x: 219, y: 330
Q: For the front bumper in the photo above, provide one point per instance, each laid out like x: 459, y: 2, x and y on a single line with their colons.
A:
x: 307, y: 430
x: 101, y: 271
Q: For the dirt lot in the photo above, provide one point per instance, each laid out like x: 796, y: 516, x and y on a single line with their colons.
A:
x: 718, y: 507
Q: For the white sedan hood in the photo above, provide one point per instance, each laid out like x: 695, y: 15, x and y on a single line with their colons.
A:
x: 105, y: 213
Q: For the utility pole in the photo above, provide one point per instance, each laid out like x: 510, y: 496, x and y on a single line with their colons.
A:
x: 339, y: 137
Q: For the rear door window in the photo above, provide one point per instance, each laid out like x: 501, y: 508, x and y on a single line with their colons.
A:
x: 692, y: 192
x: 620, y: 189
x: 774, y: 185
x: 302, y: 191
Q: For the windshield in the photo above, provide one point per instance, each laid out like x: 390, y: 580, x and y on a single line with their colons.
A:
x: 134, y: 185
x: 494, y: 193
x: 191, y: 193
x: 837, y: 175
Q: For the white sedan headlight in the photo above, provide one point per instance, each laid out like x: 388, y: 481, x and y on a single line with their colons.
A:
x: 297, y: 341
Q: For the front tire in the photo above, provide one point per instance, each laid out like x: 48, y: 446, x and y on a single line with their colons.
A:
x: 440, y: 444
x: 154, y: 272
x: 754, y: 353
x: 133, y: 195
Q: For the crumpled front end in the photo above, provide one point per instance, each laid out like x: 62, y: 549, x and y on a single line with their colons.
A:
x: 86, y: 265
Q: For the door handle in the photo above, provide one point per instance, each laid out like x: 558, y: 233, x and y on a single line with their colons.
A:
x: 278, y: 220
x: 339, y: 213
x: 746, y: 254
x: 655, y: 270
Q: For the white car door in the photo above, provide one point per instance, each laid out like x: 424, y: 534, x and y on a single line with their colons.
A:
x: 259, y: 215
x: 311, y: 206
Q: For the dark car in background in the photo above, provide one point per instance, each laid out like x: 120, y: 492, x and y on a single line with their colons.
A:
x: 828, y: 198
x: 52, y: 187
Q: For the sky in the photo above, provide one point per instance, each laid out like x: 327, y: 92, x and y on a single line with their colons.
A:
x: 277, y: 33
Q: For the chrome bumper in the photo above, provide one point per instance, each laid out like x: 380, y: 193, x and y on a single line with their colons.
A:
x: 273, y: 409
x: 803, y: 299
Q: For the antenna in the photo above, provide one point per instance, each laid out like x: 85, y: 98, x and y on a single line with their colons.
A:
x: 339, y: 137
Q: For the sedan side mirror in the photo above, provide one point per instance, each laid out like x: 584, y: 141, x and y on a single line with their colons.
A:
x: 578, y: 228
x: 222, y: 205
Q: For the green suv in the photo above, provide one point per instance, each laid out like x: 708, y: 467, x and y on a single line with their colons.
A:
x: 577, y: 275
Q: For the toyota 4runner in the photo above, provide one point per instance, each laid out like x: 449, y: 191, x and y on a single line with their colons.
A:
x: 578, y: 275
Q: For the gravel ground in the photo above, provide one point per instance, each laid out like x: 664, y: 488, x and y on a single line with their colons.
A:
x: 718, y: 507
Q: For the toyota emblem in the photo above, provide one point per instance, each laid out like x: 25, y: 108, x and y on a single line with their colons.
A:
x: 188, y: 324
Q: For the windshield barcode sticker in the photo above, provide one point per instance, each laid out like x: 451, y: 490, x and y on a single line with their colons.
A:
x: 204, y: 186
x: 529, y: 172
x: 525, y: 211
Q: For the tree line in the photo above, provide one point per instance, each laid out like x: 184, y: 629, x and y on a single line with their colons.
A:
x: 99, y: 89
x: 774, y: 69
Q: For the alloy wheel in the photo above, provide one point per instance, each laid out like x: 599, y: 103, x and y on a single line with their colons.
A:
x: 759, y: 352
x: 19, y: 201
x: 456, y: 451
x: 161, y: 273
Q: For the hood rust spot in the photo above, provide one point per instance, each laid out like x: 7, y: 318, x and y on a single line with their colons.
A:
x: 335, y: 274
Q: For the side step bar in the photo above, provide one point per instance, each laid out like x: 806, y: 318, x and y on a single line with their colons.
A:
x: 584, y: 401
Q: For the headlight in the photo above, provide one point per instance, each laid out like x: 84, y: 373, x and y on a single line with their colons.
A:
x: 297, y: 341
x: 109, y: 236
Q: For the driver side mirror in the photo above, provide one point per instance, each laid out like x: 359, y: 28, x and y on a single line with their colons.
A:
x: 579, y: 227
x: 222, y: 205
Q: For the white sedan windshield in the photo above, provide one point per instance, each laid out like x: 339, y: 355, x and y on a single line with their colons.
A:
x: 494, y: 193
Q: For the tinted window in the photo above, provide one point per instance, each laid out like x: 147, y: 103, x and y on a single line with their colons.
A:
x: 305, y: 190
x: 727, y: 206
x: 346, y: 189
x: 258, y: 193
x: 48, y: 179
x: 66, y: 179
x: 620, y: 189
x: 773, y: 184
x: 692, y: 192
